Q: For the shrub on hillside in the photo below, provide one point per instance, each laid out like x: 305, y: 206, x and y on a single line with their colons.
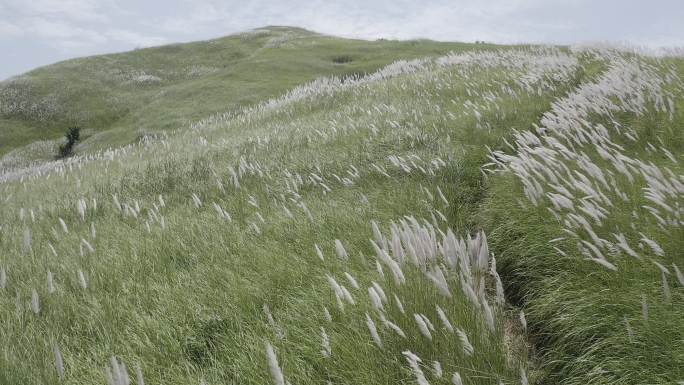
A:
x: 73, y: 134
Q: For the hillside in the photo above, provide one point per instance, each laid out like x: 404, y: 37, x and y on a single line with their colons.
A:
x: 119, y: 98
x: 491, y: 215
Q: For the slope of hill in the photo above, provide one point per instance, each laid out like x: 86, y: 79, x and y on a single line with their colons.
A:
x: 375, y: 230
x: 118, y: 98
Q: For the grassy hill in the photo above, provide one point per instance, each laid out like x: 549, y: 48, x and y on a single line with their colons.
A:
x: 510, y: 215
x: 118, y: 98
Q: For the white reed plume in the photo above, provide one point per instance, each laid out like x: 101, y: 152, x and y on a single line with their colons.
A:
x: 678, y: 273
x: 59, y: 362
x: 253, y: 201
x: 397, y: 273
x: 93, y: 232
x: 373, y: 331
x: 422, y: 326
x: 326, y: 314
x: 337, y: 289
x: 500, y: 297
x: 400, y: 305
x: 64, y: 225
x: 18, y: 305
x: 196, y: 200
x: 35, y: 302
x: 319, y: 253
x: 603, y: 262
x: 375, y: 299
x: 52, y: 249
x: 489, y: 315
x: 414, y: 361
x: 444, y: 319
x: 276, y: 371
x: 82, y: 280
x: 28, y: 239
x: 377, y: 235
x: 139, y: 375
x: 467, y: 347
x: 351, y: 280
x: 116, y: 373
x: 269, y: 317
x: 325, y: 344
x: 469, y: 292
x: 347, y: 295
x: 378, y: 267
x: 437, y: 369
x: 644, y: 307
x: 523, y: 377
x: 630, y: 331
x: 3, y: 278
x: 340, y: 251
x: 391, y: 325
x: 523, y: 321
x: 81, y: 206
x: 442, y: 197
x: 87, y: 245
x: 657, y: 250
x: 456, y: 379
x: 117, y: 204
x: 437, y: 277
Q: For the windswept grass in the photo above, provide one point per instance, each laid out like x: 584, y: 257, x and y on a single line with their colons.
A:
x: 353, y: 232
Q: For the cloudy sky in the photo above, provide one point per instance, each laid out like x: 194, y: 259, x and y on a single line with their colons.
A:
x: 39, y: 32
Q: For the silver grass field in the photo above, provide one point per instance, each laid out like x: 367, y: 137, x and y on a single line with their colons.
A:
x: 491, y: 216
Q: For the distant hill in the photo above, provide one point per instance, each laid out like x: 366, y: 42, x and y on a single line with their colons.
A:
x: 118, y: 97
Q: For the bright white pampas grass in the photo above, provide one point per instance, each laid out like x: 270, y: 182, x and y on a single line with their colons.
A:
x: 414, y: 361
x: 373, y: 331
x: 35, y: 302
x: 326, y: 314
x: 274, y: 368
x: 319, y: 253
x: 444, y: 319
x: 678, y: 273
x: 393, y: 326
x: 325, y: 344
x: 422, y: 326
x: 139, y: 375
x: 116, y: 373
x: 82, y: 280
x: 340, y: 250
x: 437, y: 369
x: 64, y: 226
x: 27, y: 241
x: 467, y: 347
x: 523, y: 321
x: 523, y: 377
x: 456, y: 379
x: 59, y: 362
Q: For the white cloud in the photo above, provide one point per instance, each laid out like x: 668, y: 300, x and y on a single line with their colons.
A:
x: 84, y: 27
x: 134, y: 38
x: 9, y: 30
x: 77, y: 10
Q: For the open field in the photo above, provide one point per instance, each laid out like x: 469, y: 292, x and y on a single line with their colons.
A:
x: 491, y: 215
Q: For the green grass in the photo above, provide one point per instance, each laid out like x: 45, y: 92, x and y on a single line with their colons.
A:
x: 101, y: 94
x: 183, y: 296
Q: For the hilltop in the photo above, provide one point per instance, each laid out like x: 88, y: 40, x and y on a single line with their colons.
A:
x: 119, y: 98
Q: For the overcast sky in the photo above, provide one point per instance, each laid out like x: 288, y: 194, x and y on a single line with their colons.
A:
x: 39, y: 32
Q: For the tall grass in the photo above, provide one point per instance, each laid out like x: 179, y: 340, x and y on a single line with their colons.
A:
x: 345, y: 233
